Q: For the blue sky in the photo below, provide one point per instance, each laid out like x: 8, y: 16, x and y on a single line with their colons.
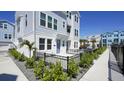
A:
x: 91, y: 22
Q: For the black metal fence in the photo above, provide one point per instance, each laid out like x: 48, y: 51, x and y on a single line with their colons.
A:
x: 118, y: 51
x: 52, y: 58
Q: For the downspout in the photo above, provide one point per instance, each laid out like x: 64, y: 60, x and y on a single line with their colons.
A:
x: 34, y: 29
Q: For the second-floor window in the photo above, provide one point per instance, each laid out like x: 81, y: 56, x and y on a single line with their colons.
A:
x: 5, y: 26
x: 42, y: 19
x: 63, y: 24
x: 26, y: 20
x: 49, y: 22
x: 55, y: 24
x: 76, y: 32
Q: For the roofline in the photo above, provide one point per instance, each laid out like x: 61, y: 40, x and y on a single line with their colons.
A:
x: 8, y: 22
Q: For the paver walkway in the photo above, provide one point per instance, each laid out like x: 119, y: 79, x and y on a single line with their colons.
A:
x: 8, y: 69
x: 99, y: 71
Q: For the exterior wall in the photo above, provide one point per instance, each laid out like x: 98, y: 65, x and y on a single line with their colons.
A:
x: 34, y: 30
x: 114, y: 35
x: 8, y: 31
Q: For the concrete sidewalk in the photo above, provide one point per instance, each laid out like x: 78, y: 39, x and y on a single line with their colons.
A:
x: 99, y: 71
x: 8, y: 69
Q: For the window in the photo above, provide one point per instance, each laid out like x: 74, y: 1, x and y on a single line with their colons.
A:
x: 75, y: 18
x: 70, y: 15
x: 5, y: 36
x: 68, y: 29
x: 75, y: 32
x: 75, y: 44
x: 26, y: 20
x: 10, y: 36
x: 49, y: 22
x: 1, y: 25
x: 63, y: 24
x: 5, y: 26
x: 41, y: 43
x: 55, y: 24
x: 63, y: 43
x: 67, y: 13
x: 42, y: 19
x: 49, y: 44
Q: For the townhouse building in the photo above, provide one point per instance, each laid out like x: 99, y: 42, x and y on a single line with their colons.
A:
x: 6, y: 32
x: 51, y: 31
x: 109, y: 38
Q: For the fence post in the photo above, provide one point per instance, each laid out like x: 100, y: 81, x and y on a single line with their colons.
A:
x: 45, y: 58
x: 67, y: 63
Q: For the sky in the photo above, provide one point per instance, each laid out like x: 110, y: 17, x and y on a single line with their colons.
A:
x: 91, y: 22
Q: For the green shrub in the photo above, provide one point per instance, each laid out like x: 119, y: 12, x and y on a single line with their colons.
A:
x: 38, y: 70
x: 22, y: 58
x: 13, y: 52
x: 86, y: 60
x: 55, y: 73
x: 30, y: 63
x: 73, y: 68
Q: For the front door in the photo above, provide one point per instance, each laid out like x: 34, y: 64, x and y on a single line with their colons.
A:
x: 58, y: 46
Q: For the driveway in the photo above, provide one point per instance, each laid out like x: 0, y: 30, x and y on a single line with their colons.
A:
x: 8, y: 69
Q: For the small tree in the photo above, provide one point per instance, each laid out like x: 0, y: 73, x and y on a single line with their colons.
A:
x: 29, y: 44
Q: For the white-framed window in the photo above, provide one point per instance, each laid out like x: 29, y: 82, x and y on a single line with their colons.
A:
x: 5, y: 36
x: 63, y: 43
x: 76, y: 32
x: 49, y: 44
x: 55, y: 24
x: 70, y: 15
x: 49, y: 22
x: 26, y: 22
x: 75, y: 44
x: 5, y: 26
x: 10, y: 36
x: 41, y: 43
x: 63, y: 24
x: 42, y: 19
x: 75, y: 18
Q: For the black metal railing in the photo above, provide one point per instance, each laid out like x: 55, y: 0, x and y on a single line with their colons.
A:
x: 53, y: 58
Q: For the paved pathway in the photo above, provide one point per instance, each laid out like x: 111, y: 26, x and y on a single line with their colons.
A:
x: 99, y: 71
x: 8, y: 69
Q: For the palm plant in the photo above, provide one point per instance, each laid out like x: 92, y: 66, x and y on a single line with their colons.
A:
x: 29, y: 44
